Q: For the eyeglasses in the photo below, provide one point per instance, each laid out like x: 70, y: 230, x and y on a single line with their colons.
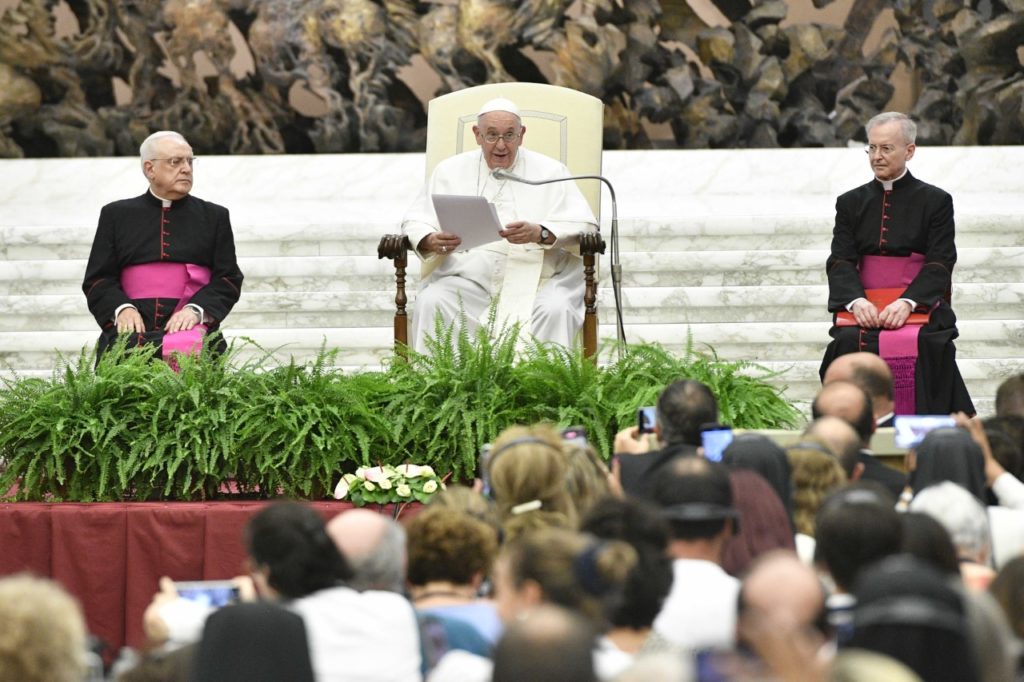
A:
x: 177, y: 161
x: 509, y: 137
x: 886, y: 149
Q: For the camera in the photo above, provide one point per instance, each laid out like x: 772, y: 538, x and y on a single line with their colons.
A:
x: 715, y: 438
x: 575, y: 435
x: 910, y: 429
x: 646, y: 417
x: 213, y: 593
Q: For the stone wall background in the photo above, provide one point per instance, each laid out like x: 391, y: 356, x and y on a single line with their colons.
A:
x: 94, y: 77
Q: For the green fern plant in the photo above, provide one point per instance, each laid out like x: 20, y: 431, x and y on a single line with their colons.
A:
x: 129, y: 427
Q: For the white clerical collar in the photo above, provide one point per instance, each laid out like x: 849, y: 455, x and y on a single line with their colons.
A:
x: 887, y: 184
x: 165, y: 202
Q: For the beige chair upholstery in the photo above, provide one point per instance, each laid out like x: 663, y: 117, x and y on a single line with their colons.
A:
x: 564, y: 124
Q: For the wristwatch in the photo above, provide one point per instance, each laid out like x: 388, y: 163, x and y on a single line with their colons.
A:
x: 544, y: 234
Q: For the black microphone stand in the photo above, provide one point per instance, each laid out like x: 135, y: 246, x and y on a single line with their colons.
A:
x: 616, y: 267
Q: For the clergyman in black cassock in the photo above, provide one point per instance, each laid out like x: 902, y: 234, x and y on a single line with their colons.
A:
x: 162, y: 265
x: 898, y: 215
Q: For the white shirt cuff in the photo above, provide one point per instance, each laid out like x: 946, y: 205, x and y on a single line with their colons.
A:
x: 118, y: 309
x: 199, y: 311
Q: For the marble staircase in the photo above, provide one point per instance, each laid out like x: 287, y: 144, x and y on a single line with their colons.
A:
x: 727, y: 246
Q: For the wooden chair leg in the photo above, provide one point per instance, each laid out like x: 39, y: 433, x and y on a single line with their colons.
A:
x: 591, y: 244
x: 395, y: 247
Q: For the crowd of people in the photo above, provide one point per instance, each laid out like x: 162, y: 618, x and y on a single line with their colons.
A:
x: 803, y: 563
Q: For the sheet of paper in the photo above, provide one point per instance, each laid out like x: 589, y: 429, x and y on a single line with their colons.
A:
x: 473, y: 218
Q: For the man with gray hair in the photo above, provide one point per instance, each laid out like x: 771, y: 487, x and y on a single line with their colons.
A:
x: 966, y: 520
x: 893, y: 255
x: 162, y: 266
x: 374, y: 546
x: 533, y: 266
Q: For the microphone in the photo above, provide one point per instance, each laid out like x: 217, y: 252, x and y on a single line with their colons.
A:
x: 616, y: 266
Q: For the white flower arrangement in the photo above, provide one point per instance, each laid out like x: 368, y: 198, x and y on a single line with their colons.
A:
x: 389, y: 484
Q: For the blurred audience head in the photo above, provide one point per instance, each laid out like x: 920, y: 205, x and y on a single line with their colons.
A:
x: 766, y: 525
x: 577, y: 571
x: 547, y: 643
x: 1010, y: 397
x: 468, y: 501
x: 449, y: 546
x: 817, y: 472
x: 842, y: 439
x: 374, y: 547
x: 764, y: 456
x: 908, y: 610
x: 257, y: 642
x: 870, y: 372
x: 781, y: 585
x: 695, y: 497
x: 588, y: 475
x: 650, y: 580
x: 291, y: 552
x: 855, y: 527
x: 1006, y: 438
x: 928, y: 540
x: 527, y: 468
x: 683, y: 407
x: 947, y: 454
x: 849, y: 402
x: 42, y: 632
x: 1008, y: 590
x: 962, y: 515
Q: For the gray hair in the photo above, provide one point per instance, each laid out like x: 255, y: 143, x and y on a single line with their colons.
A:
x: 147, y: 148
x: 961, y: 515
x: 907, y: 125
x: 384, y: 567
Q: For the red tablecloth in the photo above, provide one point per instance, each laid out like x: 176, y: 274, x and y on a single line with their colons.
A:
x: 111, y: 555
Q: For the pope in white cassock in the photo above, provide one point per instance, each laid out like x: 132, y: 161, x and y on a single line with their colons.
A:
x: 534, y: 270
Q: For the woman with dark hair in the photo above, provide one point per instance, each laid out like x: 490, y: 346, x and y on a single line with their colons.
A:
x: 647, y: 584
x: 290, y: 553
x: 910, y: 611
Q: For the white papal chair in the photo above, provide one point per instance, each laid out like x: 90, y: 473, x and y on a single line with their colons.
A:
x: 564, y: 124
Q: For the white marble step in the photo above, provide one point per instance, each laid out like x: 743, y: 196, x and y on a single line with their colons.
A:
x: 719, y: 232
x: 642, y: 305
x: 755, y: 267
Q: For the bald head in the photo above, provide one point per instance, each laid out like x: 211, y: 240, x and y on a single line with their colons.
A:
x: 781, y: 585
x: 868, y: 371
x: 850, y: 403
x: 841, y: 439
x: 374, y: 546
x: 547, y: 643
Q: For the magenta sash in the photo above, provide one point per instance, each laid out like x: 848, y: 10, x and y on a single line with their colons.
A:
x: 169, y: 280
x: 898, y: 347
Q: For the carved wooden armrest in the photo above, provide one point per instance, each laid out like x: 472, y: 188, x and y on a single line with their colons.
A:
x: 393, y: 246
x: 591, y: 243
